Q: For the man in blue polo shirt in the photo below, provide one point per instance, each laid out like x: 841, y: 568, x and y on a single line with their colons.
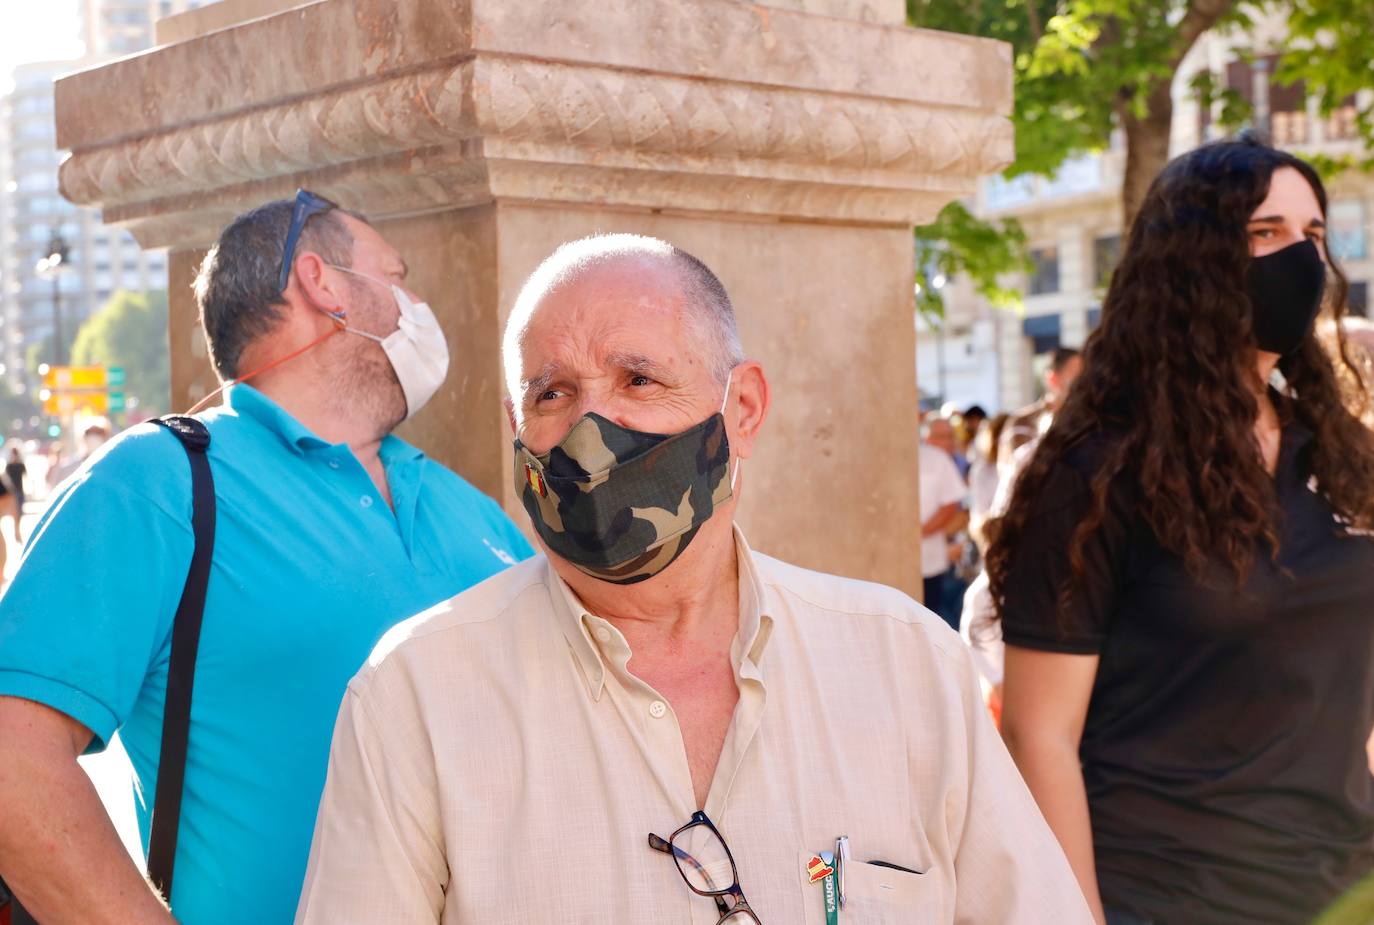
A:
x: 328, y: 531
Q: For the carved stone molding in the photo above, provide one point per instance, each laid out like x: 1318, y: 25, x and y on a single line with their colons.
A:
x: 476, y: 120
x: 560, y: 116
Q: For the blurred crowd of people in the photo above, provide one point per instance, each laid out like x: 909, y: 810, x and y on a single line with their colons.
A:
x: 30, y: 469
x: 969, y: 461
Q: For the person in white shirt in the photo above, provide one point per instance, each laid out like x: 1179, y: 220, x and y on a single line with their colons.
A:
x: 943, y: 493
x: 651, y: 722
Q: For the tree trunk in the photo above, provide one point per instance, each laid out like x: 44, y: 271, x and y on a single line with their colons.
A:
x: 1147, y: 147
x: 1147, y: 137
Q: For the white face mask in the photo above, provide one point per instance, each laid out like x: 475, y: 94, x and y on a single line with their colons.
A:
x: 417, y: 349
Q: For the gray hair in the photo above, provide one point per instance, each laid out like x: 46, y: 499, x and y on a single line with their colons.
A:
x: 712, y: 316
x: 236, y: 287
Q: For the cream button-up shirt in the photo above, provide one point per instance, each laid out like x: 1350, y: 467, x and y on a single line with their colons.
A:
x: 495, y: 762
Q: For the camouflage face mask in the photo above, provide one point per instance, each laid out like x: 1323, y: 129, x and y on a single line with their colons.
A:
x: 622, y: 504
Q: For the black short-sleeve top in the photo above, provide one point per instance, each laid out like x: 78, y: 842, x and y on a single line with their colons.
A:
x: 1224, y: 746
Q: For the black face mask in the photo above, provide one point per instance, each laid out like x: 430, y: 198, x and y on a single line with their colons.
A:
x: 1285, y: 290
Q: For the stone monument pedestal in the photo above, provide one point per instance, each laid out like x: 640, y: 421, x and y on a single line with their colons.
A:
x: 789, y: 147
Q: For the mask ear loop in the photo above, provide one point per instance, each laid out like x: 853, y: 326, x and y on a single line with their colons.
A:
x: 725, y: 399
x: 395, y: 294
x: 340, y: 324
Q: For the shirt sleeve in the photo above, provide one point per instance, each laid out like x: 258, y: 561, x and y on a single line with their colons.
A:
x: 90, y: 609
x: 378, y: 854
x: 1032, y: 616
x: 1008, y: 865
x: 953, y: 490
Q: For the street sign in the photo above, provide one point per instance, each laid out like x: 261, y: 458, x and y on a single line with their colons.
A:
x: 79, y: 377
x: 83, y: 389
x: 64, y: 403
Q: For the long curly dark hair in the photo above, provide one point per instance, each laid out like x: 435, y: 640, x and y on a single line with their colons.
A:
x: 1169, y: 382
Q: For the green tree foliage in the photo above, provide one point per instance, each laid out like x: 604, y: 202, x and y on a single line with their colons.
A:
x: 1086, y: 67
x: 131, y: 331
x: 958, y: 243
x: 1331, y: 48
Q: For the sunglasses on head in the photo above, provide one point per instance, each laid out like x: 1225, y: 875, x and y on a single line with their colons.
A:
x: 306, y: 205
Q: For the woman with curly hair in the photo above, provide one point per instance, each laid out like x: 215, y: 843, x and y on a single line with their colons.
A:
x: 1185, y: 576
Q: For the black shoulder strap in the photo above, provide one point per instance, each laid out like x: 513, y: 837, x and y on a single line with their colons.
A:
x: 181, y: 673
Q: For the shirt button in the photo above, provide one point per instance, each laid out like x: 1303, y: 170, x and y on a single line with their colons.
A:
x: 603, y: 634
x: 333, y: 464
x: 365, y: 501
x: 657, y: 709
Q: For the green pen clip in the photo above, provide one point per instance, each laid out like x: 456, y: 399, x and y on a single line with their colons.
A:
x: 831, y: 887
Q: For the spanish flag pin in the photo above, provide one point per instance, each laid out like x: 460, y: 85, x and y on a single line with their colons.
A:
x: 536, y: 481
x: 817, y: 869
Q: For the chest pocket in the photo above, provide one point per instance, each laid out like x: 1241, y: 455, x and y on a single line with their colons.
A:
x: 876, y: 895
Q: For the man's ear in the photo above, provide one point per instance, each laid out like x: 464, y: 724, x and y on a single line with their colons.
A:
x: 510, y: 414
x: 751, y: 402
x: 318, y: 288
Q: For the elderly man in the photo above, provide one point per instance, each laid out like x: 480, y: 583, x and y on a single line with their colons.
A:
x: 594, y: 736
x: 328, y: 531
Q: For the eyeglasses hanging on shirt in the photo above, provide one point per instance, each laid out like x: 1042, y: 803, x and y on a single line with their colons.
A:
x: 705, y: 862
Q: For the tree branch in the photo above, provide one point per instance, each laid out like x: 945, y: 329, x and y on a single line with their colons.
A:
x: 1201, y: 16
x: 1033, y: 18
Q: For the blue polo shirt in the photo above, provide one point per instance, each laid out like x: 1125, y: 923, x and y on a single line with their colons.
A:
x: 310, y: 568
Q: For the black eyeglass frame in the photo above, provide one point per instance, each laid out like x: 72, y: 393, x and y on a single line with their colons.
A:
x: 699, y: 818
x: 307, y: 204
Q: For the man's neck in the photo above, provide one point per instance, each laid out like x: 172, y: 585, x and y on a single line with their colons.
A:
x: 326, y: 416
x: 696, y: 599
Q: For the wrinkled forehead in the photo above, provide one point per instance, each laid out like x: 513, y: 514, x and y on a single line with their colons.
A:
x: 595, y: 317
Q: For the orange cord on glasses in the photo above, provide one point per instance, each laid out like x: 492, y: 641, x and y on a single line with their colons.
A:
x: 339, y: 325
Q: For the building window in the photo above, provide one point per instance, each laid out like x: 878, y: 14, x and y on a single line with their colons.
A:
x: 1106, y: 255
x: 1358, y: 299
x: 1045, y: 279
x: 1288, y: 128
x: 1287, y: 103
x: 1341, y: 125
x: 1346, y: 234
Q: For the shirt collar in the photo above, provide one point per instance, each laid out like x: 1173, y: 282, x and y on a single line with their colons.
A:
x: 248, y: 402
x: 579, y: 624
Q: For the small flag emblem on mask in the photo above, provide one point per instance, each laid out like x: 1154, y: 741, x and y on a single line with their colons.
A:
x: 536, y: 481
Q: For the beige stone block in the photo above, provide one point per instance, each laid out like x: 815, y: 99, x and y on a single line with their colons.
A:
x: 715, y: 105
x: 221, y: 14
x: 885, y: 11
x: 791, y: 145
